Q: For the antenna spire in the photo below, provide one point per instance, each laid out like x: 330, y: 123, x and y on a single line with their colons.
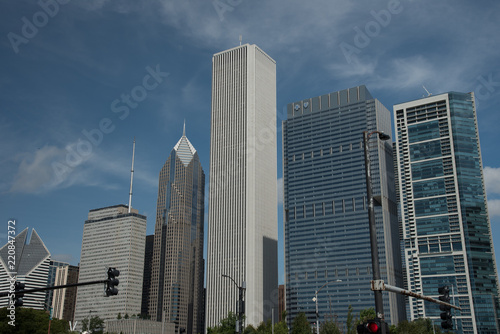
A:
x: 184, y: 129
x: 131, y: 178
x: 240, y: 39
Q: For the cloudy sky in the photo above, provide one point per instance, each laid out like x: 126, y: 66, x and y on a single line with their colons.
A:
x: 102, y: 72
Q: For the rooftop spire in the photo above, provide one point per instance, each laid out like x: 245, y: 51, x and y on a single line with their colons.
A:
x: 185, y: 151
x: 184, y: 129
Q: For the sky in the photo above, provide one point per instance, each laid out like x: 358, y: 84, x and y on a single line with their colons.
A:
x: 80, y: 79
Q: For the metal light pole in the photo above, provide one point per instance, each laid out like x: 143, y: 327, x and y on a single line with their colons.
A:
x: 315, y: 299
x: 240, y: 306
x: 379, y: 305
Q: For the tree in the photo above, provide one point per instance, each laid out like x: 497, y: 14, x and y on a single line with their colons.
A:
x: 126, y: 316
x: 367, y: 314
x: 418, y: 326
x: 93, y: 325
x: 31, y: 321
x: 119, y: 316
x: 227, y: 325
x: 329, y: 327
x: 350, y: 324
x: 300, y: 324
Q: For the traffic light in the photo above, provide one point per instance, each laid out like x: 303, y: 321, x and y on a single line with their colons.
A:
x: 112, y: 282
x: 444, y: 292
x: 18, y: 286
x: 370, y: 327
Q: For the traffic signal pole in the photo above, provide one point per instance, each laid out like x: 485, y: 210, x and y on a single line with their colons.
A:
x: 4, y: 294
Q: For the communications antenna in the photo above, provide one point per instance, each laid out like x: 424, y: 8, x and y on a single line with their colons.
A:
x: 131, y: 178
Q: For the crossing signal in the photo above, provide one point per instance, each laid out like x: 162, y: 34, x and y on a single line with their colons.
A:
x: 19, y: 286
x: 447, y: 323
x: 112, y: 282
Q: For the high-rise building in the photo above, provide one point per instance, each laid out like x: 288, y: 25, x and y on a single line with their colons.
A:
x: 51, y: 279
x: 327, y: 239
x: 32, y: 260
x: 64, y: 300
x: 446, y: 228
x: 146, y: 281
x: 176, y: 294
x: 242, y: 221
x: 112, y: 237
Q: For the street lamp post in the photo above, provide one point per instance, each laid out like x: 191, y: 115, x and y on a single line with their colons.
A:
x: 315, y: 299
x: 379, y: 306
x: 240, y: 309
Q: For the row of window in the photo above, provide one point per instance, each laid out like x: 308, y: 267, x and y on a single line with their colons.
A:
x: 326, y: 208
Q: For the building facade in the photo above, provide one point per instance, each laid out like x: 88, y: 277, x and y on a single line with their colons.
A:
x: 64, y: 300
x: 177, y: 277
x: 51, y: 279
x: 242, y: 222
x: 112, y: 237
x: 146, y: 281
x: 32, y: 261
x: 446, y: 228
x: 327, y: 239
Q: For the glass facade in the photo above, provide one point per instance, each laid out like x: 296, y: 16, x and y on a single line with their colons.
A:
x: 445, y: 225
x: 326, y: 219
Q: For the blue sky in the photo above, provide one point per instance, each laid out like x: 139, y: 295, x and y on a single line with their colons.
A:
x: 112, y: 70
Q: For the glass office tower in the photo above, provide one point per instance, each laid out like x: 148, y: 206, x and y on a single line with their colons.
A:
x: 446, y: 229
x: 325, y: 204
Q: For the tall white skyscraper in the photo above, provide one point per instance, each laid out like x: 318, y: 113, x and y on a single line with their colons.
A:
x: 112, y: 237
x: 242, y: 221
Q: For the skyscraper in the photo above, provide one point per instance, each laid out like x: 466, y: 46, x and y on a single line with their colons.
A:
x: 327, y: 239
x: 146, y: 281
x: 242, y: 222
x: 32, y: 267
x: 446, y: 228
x: 176, y: 294
x: 64, y: 300
x: 112, y: 237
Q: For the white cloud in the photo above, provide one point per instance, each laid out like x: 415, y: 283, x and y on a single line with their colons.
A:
x: 492, y: 180
x: 494, y: 208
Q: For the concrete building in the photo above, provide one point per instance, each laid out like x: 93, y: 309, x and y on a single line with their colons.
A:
x: 445, y: 224
x: 242, y: 222
x: 112, y: 237
x: 177, y: 277
x: 51, y: 279
x: 327, y: 239
x: 32, y: 261
x: 64, y: 300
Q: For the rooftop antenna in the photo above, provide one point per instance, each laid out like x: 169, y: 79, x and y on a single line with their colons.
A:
x: 240, y: 39
x: 184, y: 129
x: 131, y: 178
x: 428, y: 94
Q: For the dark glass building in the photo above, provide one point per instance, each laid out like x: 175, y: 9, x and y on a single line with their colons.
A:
x: 176, y: 294
x: 326, y: 219
x: 445, y: 223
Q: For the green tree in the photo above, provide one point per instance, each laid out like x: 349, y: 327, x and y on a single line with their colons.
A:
x: 31, y: 321
x: 226, y: 326
x: 329, y: 327
x: 126, y: 316
x: 300, y: 325
x: 418, y: 326
x: 350, y: 324
x: 367, y: 314
x: 93, y: 325
x: 119, y: 316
